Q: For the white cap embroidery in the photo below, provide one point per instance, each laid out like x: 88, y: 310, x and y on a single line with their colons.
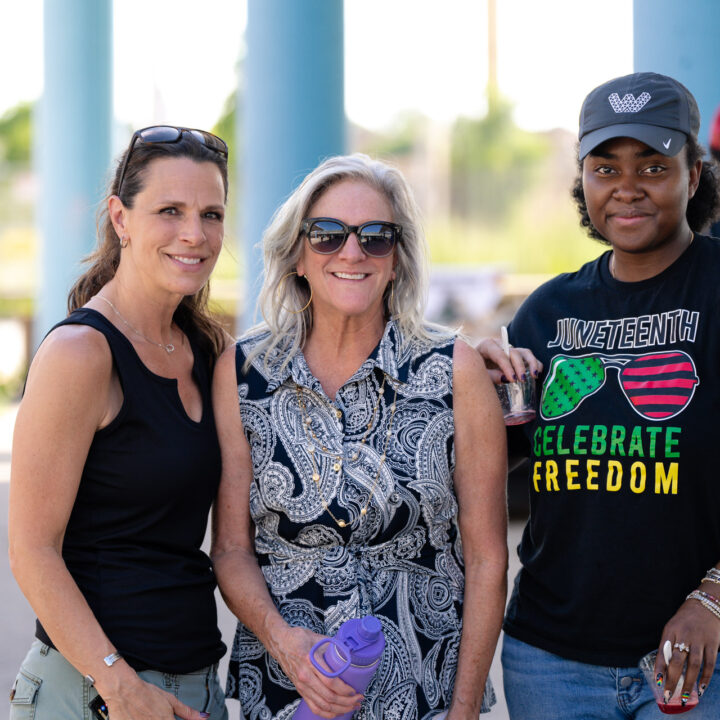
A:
x: 629, y: 103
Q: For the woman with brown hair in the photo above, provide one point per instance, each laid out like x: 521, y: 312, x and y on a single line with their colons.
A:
x: 115, y: 455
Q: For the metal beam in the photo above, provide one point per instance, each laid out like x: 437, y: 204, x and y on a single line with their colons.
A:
x: 681, y: 39
x: 292, y: 112
x: 74, y: 123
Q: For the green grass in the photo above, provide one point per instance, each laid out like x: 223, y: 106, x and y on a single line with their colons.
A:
x: 542, y: 245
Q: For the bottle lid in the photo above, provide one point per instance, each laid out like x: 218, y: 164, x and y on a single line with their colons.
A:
x: 364, y: 638
x: 369, y: 628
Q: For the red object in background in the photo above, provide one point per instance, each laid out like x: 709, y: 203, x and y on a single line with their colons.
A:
x: 715, y: 132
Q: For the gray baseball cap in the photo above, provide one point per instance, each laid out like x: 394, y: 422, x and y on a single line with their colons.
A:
x: 652, y: 108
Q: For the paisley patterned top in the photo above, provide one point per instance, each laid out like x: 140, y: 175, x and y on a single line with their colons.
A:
x: 402, y: 561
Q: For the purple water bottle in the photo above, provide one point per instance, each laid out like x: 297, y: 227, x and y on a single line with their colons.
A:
x: 353, y: 655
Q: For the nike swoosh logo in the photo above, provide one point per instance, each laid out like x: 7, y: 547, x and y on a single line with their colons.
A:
x: 666, y: 145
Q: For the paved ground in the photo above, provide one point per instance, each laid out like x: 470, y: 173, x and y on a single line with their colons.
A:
x: 17, y: 619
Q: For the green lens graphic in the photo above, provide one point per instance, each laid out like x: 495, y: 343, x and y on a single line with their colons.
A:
x: 569, y: 382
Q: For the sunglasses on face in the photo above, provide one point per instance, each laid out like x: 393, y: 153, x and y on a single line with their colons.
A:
x: 327, y: 235
x: 171, y: 134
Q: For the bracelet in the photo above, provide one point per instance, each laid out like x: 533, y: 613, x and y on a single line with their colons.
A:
x: 709, y: 597
x: 109, y: 660
x: 712, y: 576
x: 702, y: 598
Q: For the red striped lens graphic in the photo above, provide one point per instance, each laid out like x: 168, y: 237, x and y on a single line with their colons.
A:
x: 659, y: 385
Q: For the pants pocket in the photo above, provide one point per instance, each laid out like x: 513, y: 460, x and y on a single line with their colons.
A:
x: 23, y: 696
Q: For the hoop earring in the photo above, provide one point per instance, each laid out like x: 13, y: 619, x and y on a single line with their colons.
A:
x: 283, y: 279
x: 124, y: 241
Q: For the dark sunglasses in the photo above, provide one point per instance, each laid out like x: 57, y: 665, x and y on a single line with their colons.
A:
x: 327, y: 235
x: 171, y: 134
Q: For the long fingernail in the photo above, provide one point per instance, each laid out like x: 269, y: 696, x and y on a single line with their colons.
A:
x: 685, y: 697
x: 666, y: 696
x: 659, y: 679
x: 702, y: 689
x: 204, y: 715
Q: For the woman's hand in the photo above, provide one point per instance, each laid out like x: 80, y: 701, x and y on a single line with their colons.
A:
x: 503, y: 368
x: 327, y: 697
x: 144, y: 701
x: 698, y: 628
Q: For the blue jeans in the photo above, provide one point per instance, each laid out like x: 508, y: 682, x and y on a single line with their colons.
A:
x: 542, y: 686
x: 48, y: 687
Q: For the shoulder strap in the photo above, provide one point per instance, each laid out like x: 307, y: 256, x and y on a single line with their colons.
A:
x: 124, y: 355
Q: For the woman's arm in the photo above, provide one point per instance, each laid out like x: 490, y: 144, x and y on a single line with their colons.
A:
x: 70, y: 393
x: 480, y: 484
x: 241, y: 581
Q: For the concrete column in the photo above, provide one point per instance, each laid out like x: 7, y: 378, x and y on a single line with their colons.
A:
x: 681, y: 39
x: 292, y: 112
x: 74, y: 124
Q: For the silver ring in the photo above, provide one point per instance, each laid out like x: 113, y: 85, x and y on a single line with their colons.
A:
x: 682, y: 647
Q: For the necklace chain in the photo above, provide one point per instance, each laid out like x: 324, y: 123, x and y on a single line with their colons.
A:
x: 169, y: 348
x: 338, y: 460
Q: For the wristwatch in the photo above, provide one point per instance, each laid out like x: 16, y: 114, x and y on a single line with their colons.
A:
x: 109, y: 660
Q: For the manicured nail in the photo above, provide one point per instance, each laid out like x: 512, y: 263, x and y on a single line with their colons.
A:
x: 666, y: 696
x: 702, y: 689
x: 685, y: 697
x: 659, y: 679
x: 503, y: 379
x: 524, y: 377
x: 535, y: 373
x: 204, y: 715
x: 515, y: 377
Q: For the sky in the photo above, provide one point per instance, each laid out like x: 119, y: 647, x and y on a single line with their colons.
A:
x: 550, y: 54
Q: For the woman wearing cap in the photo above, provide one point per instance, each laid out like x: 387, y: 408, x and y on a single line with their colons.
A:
x: 364, y: 441
x: 115, y: 459
x: 624, y: 493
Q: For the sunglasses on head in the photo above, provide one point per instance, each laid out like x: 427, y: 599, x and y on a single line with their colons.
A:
x: 376, y: 238
x: 171, y: 134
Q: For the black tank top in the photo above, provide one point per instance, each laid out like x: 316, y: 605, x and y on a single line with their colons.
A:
x: 133, y: 537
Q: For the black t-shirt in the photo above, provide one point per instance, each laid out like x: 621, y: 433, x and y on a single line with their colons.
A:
x: 133, y: 538
x: 624, y: 490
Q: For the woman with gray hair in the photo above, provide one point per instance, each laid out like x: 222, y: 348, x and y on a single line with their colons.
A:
x: 364, y: 470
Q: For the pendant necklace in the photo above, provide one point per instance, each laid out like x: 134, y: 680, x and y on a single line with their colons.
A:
x: 337, y: 464
x: 169, y: 348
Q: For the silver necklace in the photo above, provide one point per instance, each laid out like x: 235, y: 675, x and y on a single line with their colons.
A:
x: 169, y: 348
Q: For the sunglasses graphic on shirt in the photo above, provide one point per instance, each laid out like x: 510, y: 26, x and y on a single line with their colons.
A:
x: 658, y: 386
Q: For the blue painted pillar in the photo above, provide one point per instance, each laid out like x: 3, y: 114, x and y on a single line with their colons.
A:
x: 681, y: 39
x: 74, y: 124
x: 292, y: 112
